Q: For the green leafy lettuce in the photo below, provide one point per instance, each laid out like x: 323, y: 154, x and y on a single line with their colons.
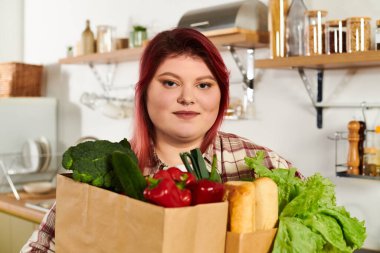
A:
x: 309, y: 219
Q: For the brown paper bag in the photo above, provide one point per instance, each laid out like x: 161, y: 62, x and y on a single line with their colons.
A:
x: 91, y: 219
x: 257, y: 242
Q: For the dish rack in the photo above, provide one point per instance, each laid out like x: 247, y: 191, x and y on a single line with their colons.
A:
x: 340, y: 139
x: 14, y: 173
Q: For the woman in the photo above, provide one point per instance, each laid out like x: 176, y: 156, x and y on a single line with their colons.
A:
x: 181, y: 98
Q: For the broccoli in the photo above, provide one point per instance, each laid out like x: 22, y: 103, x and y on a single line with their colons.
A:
x: 91, y: 162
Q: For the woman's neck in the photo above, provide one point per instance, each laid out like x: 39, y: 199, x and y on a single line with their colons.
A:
x: 168, y: 153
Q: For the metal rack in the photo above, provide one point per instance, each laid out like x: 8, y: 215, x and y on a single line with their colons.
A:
x: 341, y: 150
x: 14, y: 175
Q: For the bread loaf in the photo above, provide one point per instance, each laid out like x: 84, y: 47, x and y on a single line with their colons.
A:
x: 241, y: 208
x: 266, y: 203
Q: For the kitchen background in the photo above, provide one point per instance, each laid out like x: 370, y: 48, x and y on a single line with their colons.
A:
x: 39, y: 32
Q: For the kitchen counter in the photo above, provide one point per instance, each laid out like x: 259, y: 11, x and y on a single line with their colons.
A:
x: 12, y: 206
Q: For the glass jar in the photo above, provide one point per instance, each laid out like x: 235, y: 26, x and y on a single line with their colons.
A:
x: 315, y: 31
x: 138, y: 36
x: 358, y: 34
x: 105, y: 41
x: 336, y: 36
x: 377, y: 37
x: 277, y: 36
x: 369, y: 161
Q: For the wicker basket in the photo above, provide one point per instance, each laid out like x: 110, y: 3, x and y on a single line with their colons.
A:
x: 20, y: 80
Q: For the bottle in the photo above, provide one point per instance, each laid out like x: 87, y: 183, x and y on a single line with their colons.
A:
x: 377, y: 36
x: 276, y: 20
x: 353, y: 159
x: 88, y: 41
x: 295, y: 28
x: 362, y: 131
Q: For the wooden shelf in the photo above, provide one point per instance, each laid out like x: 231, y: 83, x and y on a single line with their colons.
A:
x: 231, y: 36
x: 129, y: 54
x: 333, y: 61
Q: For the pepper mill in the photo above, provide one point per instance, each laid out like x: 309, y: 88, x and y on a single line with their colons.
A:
x: 353, y: 159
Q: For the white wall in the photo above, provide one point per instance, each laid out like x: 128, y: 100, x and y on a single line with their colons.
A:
x: 11, y: 30
x: 285, y: 120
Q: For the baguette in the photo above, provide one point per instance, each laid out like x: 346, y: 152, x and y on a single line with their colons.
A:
x: 266, y: 203
x: 241, y: 208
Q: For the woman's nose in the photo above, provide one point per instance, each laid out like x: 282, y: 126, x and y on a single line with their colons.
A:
x: 185, y: 97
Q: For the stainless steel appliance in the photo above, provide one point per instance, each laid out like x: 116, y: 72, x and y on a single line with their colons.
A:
x: 249, y: 14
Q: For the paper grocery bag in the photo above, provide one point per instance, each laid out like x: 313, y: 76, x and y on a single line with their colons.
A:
x: 257, y: 242
x: 91, y: 219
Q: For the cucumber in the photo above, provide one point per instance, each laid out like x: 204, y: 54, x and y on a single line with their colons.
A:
x: 127, y: 171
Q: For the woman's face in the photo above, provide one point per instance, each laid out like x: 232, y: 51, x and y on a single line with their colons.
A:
x: 183, y: 100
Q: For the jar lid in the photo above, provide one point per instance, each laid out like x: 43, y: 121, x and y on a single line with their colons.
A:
x: 358, y: 18
x: 314, y: 13
x: 370, y: 150
x: 335, y: 22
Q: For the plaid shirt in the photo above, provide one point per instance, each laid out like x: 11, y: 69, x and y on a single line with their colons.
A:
x: 230, y: 151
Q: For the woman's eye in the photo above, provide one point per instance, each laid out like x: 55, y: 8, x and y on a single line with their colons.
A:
x: 204, y: 85
x: 169, y: 83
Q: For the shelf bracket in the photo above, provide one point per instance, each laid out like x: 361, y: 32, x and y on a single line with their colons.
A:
x: 249, y: 73
x: 110, y: 74
x: 315, y: 98
x: 248, y: 79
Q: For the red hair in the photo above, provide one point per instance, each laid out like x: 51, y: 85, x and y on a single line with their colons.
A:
x: 179, y: 41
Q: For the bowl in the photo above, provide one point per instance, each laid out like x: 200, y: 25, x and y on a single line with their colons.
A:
x: 38, y: 187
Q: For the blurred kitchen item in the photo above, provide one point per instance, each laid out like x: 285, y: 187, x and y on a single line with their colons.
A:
x: 122, y: 43
x: 40, y: 205
x: 138, y: 36
x: 20, y: 80
x: 235, y: 109
x: 38, y: 187
x: 295, y: 28
x: 358, y: 34
x: 105, y: 41
x: 31, y: 155
x: 112, y: 107
x: 46, y: 154
x: 353, y: 158
x: 85, y: 138
x: 369, y: 161
x: 88, y: 40
x: 377, y: 146
x: 336, y: 36
x: 315, y: 32
x: 278, y: 10
x: 250, y: 14
x: 377, y: 35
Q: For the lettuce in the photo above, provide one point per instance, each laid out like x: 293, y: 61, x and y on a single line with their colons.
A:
x: 309, y: 219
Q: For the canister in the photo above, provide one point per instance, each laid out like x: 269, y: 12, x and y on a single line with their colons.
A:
x: 105, y: 41
x: 358, y: 34
x: 315, y: 31
x: 336, y: 36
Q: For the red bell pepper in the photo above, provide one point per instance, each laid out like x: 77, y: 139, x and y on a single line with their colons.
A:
x: 183, y: 179
x: 164, y: 192
x: 207, y: 191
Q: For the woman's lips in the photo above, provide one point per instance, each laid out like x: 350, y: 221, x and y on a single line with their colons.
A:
x: 186, y: 114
